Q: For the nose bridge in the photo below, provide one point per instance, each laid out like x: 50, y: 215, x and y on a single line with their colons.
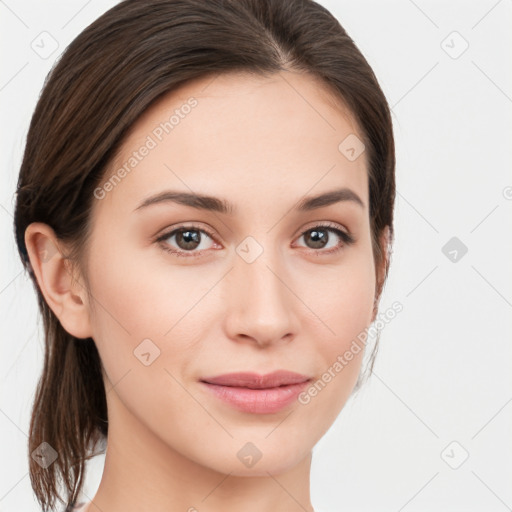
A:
x: 261, y: 305
x: 260, y: 264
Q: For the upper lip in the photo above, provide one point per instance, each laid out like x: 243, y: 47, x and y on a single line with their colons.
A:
x: 256, y: 381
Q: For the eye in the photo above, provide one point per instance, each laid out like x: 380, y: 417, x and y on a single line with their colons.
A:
x: 188, y: 239
x: 192, y: 240
x: 318, y: 238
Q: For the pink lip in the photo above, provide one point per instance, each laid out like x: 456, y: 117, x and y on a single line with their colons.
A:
x: 260, y: 394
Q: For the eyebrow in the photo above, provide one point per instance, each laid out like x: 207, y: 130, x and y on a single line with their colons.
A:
x: 215, y: 204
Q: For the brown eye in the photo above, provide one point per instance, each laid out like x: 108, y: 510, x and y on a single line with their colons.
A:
x: 318, y: 238
x: 189, y: 240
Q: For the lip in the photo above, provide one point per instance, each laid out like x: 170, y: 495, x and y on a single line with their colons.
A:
x: 257, y: 394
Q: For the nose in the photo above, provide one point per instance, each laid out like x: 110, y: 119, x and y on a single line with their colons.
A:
x: 262, y: 308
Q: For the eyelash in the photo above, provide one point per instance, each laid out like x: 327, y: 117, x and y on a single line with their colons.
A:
x: 347, y: 238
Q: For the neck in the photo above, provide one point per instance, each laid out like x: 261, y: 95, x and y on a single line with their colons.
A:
x: 141, y: 472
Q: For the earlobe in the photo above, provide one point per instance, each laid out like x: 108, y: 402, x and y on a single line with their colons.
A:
x: 63, y: 293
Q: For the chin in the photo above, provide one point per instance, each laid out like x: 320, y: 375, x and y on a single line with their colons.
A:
x: 254, y: 457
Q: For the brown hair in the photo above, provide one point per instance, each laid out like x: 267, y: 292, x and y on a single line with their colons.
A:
x: 106, y: 78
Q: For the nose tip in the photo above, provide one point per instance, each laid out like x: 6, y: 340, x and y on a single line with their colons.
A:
x: 261, y: 306
x: 260, y: 339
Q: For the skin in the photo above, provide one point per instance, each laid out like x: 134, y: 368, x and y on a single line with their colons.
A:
x: 263, y: 144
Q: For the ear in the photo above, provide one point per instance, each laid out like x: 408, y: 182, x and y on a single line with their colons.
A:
x: 384, y: 240
x: 64, y: 295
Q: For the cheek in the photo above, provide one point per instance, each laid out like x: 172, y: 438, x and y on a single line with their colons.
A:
x: 344, y: 298
x: 344, y: 303
x: 339, y: 349
x: 124, y: 297
x: 134, y: 309
x: 351, y: 303
x: 136, y: 300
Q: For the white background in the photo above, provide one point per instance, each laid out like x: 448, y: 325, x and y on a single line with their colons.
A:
x: 443, y: 371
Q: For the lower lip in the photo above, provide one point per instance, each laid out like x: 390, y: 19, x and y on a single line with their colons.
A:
x: 258, y: 401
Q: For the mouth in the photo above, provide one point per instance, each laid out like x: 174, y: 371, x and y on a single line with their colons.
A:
x: 257, y: 394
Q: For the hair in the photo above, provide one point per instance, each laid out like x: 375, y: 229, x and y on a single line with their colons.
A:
x: 105, y: 79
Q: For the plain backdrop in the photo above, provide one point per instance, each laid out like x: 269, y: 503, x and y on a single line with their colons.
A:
x: 431, y: 430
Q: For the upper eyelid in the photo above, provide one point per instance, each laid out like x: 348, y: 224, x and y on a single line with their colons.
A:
x: 324, y: 224
x: 166, y: 234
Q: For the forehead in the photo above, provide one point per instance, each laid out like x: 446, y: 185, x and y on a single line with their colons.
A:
x: 240, y: 135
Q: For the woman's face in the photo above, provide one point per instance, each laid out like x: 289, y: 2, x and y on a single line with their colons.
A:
x: 254, y: 288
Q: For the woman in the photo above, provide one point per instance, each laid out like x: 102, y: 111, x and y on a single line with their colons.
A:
x: 205, y: 207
